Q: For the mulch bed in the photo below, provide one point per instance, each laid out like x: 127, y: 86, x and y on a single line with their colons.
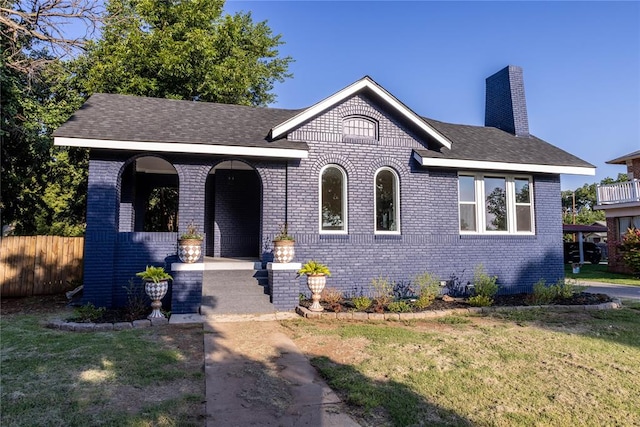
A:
x: 46, y: 304
x: 514, y: 300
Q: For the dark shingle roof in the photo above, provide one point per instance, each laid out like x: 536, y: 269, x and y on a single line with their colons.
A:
x: 494, y: 145
x: 623, y: 159
x: 134, y: 118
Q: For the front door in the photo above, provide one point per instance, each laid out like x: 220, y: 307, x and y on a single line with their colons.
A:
x: 233, y: 211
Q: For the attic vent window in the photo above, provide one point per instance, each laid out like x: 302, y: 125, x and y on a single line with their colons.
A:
x: 359, y: 127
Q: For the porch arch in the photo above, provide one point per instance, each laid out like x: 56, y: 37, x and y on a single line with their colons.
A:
x: 149, y: 194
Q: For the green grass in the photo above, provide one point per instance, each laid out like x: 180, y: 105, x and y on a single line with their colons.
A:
x: 123, y: 378
x: 599, y: 273
x: 530, y: 367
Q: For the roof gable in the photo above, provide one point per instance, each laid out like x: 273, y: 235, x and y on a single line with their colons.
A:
x: 366, y: 84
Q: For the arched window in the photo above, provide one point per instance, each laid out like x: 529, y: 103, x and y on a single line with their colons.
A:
x: 333, y: 200
x: 359, y: 127
x: 387, y: 201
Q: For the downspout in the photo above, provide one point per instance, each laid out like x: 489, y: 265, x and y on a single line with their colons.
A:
x: 286, y: 192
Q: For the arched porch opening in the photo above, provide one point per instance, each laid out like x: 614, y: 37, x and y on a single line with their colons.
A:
x: 148, y: 196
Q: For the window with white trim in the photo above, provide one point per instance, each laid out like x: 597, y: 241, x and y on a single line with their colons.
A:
x: 387, y: 202
x: 333, y: 200
x: 359, y: 127
x: 495, y: 204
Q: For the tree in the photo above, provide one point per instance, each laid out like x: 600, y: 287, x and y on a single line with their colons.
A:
x: 43, y: 187
x: 585, y: 201
x: 32, y: 27
x: 184, y: 49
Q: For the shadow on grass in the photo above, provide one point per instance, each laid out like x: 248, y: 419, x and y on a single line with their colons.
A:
x: 133, y: 377
x: 384, y: 401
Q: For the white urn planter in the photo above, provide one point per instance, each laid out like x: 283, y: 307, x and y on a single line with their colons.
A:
x: 283, y: 251
x: 189, y: 250
x: 316, y: 284
x: 156, y: 292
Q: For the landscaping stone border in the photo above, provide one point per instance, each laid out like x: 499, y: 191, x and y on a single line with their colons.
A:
x: 63, y: 325
x: 359, y: 315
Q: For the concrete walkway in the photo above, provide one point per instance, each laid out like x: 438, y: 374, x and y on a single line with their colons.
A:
x: 256, y: 376
x: 617, y: 291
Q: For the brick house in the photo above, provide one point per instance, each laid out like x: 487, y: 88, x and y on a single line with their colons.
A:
x: 364, y: 183
x: 621, y: 204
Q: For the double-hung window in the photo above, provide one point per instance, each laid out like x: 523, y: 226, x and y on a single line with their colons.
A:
x: 333, y: 200
x: 495, y: 204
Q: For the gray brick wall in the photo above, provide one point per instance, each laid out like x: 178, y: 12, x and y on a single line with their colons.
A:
x: 284, y: 289
x: 429, y: 239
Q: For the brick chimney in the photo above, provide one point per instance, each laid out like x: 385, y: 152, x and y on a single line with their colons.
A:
x: 506, y: 107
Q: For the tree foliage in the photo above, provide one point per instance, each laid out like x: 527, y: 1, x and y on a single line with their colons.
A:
x: 43, y: 187
x: 184, y: 49
x: 585, y: 201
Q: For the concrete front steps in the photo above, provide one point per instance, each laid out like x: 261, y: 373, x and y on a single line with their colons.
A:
x: 235, y: 287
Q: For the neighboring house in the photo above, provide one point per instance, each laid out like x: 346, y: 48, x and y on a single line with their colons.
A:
x: 364, y: 183
x: 621, y: 204
x: 597, y: 237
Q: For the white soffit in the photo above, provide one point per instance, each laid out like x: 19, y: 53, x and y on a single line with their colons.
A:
x: 503, y: 166
x: 176, y: 147
x: 366, y: 82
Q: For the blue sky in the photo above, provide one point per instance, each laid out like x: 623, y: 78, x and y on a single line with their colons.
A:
x: 581, y: 62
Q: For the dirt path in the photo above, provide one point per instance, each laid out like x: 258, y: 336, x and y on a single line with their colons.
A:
x: 255, y: 375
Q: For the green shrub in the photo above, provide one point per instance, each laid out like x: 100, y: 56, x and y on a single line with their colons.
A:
x: 88, y: 313
x: 383, y: 291
x: 427, y: 287
x: 424, y: 301
x: 361, y: 303
x: 630, y: 249
x: 542, y: 294
x: 480, y: 301
x: 566, y: 288
x: 562, y: 289
x: 399, y: 307
x: 483, y: 284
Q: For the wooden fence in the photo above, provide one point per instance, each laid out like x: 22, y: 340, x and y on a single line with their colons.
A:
x: 39, y: 265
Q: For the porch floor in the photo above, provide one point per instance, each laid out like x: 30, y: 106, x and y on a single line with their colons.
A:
x: 228, y: 264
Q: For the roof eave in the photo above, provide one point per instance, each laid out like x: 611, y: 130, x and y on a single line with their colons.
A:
x: 178, y: 147
x: 364, y: 83
x: 502, y: 166
x: 623, y: 159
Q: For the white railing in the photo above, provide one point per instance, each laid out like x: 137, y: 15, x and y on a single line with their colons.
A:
x: 620, y: 192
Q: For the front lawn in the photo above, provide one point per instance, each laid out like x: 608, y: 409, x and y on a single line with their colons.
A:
x: 522, y: 367
x: 599, y: 273
x: 140, y: 377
